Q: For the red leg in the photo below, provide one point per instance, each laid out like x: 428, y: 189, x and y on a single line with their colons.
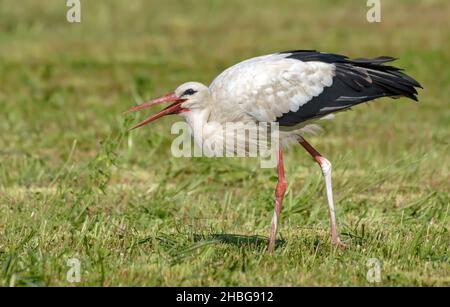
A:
x: 325, y: 165
x: 279, y: 195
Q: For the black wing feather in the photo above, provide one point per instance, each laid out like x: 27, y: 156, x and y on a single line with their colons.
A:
x: 355, y: 81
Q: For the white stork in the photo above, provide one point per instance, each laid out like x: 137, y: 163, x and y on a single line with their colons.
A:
x: 292, y: 88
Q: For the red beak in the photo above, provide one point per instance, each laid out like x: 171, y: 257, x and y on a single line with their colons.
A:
x: 174, y: 108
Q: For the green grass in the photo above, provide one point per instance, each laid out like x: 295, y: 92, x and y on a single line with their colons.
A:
x: 75, y: 184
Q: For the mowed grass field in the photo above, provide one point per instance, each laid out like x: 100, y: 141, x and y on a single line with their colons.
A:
x: 75, y: 184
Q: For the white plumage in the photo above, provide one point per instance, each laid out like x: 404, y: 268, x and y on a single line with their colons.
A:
x: 266, y: 87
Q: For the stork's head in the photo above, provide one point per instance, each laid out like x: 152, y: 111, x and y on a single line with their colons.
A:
x: 188, y: 96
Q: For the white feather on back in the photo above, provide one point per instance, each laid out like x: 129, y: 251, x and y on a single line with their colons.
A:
x: 267, y: 87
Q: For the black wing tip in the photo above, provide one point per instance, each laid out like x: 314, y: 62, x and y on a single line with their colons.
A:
x: 329, y: 57
x: 416, y: 83
x: 298, y: 51
x: 392, y: 79
x: 407, y: 95
x: 378, y: 60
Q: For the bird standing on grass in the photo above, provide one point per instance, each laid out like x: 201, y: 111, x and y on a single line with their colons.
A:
x: 292, y: 88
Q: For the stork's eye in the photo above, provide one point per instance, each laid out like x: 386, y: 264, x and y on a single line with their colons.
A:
x: 189, y: 92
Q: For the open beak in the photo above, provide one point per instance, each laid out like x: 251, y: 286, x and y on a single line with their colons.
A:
x: 174, y: 108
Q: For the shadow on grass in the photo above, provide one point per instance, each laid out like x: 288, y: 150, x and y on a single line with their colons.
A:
x: 178, y: 248
x: 254, y: 241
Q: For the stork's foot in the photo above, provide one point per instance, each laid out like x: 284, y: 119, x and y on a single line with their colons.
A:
x: 337, y: 243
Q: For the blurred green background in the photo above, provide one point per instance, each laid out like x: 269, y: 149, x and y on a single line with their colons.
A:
x: 74, y: 184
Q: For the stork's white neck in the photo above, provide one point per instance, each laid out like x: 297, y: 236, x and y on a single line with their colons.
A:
x: 197, y: 119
